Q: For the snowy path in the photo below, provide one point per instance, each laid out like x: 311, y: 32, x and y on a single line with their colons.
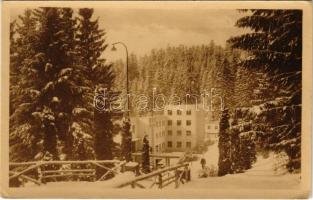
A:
x: 261, y: 176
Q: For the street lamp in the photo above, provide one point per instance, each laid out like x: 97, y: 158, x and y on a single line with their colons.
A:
x: 152, y: 120
x: 127, y: 84
x: 127, y: 141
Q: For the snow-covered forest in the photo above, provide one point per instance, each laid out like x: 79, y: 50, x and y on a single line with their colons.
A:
x: 258, y: 74
x: 57, y: 67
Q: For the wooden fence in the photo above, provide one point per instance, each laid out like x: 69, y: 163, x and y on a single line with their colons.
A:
x: 40, y: 172
x: 161, y: 178
x: 137, y: 157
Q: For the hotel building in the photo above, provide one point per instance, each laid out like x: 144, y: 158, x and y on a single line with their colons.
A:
x: 178, y: 128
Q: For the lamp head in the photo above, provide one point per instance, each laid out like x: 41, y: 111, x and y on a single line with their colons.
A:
x: 113, y: 48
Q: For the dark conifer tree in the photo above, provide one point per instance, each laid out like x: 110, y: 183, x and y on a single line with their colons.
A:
x: 59, y: 93
x: 97, y: 81
x: 224, y: 160
x: 145, y: 155
x: 236, y: 153
x: 23, y: 140
x: 275, y: 46
x: 45, y: 51
x: 126, y: 141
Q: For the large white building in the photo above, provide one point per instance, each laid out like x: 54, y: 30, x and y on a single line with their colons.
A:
x: 176, y: 128
x: 211, y: 130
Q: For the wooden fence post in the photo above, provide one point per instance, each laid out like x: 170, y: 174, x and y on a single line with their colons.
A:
x: 176, y: 178
x: 160, y: 181
x: 186, y: 174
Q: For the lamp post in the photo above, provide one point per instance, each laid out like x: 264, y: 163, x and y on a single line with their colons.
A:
x: 127, y: 136
x: 127, y: 84
x: 153, y: 121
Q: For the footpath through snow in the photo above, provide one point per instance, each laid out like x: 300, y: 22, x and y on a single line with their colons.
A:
x: 260, y: 176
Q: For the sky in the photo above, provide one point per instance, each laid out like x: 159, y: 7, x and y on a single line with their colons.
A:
x: 143, y: 29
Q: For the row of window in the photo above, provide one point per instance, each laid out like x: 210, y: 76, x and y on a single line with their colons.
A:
x: 178, y: 144
x: 215, y: 127
x: 160, y: 134
x: 178, y: 122
x: 178, y: 112
x: 170, y: 133
x: 157, y: 123
x: 160, y: 147
x: 179, y: 133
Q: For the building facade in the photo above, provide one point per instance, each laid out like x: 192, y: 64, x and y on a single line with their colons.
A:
x: 211, y: 127
x: 184, y: 127
x: 211, y: 130
x: 178, y: 128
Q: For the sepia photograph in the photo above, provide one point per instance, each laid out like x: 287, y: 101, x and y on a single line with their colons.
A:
x: 156, y: 99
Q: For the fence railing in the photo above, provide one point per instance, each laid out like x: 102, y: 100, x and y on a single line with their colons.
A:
x: 40, y: 172
x: 161, y: 178
x: 137, y: 157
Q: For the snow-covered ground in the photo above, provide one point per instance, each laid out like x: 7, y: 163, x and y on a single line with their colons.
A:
x: 261, y: 176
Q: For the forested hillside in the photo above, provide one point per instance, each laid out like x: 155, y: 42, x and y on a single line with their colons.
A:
x: 181, y: 70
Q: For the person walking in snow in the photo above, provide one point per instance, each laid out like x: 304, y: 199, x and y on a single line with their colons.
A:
x: 203, y: 162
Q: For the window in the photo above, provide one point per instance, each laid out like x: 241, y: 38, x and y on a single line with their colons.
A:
x: 178, y: 122
x: 216, y: 127
x: 209, y: 127
x: 179, y: 145
x: 169, y: 133
x: 188, y: 133
x: 163, y: 133
x: 188, y: 122
x: 188, y: 144
x: 169, y: 112
x: 188, y: 112
x: 179, y: 133
x: 179, y: 112
x: 169, y: 144
x: 169, y: 122
x: 157, y: 148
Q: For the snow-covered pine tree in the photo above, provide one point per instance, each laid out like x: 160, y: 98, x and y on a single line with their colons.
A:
x: 56, y: 66
x: 13, y: 66
x: 126, y: 141
x: 243, y: 142
x: 275, y: 44
x: 23, y: 137
x: 244, y: 86
x: 97, y: 82
x: 103, y: 139
x: 145, y: 155
x: 45, y: 49
x: 224, y: 160
x: 236, y: 153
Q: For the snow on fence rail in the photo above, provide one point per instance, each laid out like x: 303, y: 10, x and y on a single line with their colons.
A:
x: 167, y: 157
x: 163, y: 177
x: 40, y: 172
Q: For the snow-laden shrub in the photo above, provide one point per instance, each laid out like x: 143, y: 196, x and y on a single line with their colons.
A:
x: 280, y: 163
x: 212, y: 171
